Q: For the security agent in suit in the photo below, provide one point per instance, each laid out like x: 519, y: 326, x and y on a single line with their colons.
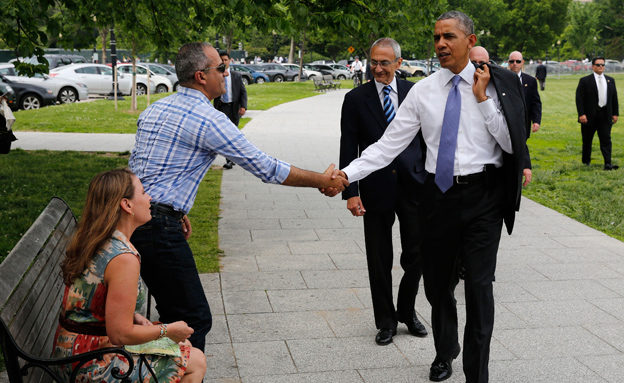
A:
x: 234, y: 102
x: 597, y: 112
x: 531, y: 95
x: 385, y: 193
x: 466, y: 218
x: 540, y: 74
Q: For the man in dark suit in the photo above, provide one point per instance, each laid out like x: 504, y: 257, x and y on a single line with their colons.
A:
x: 366, y: 112
x: 540, y: 74
x: 598, y: 110
x: 474, y: 124
x: 531, y: 95
x: 234, y: 102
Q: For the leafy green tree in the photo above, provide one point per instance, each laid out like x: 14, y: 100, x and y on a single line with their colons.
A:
x: 581, y: 32
x: 611, y: 27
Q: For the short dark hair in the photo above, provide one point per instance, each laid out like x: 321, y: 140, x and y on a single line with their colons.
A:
x: 224, y: 53
x: 465, y: 23
x: 189, y: 60
x: 598, y: 58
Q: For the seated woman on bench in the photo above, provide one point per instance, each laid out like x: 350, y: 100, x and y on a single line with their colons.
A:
x: 103, y: 289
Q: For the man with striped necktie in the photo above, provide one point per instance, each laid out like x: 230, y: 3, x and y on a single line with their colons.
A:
x: 366, y: 113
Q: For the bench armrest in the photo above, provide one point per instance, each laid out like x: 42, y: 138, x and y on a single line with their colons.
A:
x: 12, y: 352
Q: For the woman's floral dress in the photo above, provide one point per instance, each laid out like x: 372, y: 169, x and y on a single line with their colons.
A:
x: 84, y: 302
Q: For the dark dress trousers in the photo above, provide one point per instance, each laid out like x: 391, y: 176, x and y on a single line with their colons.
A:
x: 238, y: 99
x: 467, y: 219
x: 598, y: 119
x: 386, y: 192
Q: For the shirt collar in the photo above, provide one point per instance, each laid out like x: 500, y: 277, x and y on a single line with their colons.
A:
x: 190, y: 92
x: 467, y: 74
x: 381, y: 85
x: 598, y: 76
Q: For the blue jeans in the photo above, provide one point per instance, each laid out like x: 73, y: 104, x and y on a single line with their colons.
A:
x: 169, y: 271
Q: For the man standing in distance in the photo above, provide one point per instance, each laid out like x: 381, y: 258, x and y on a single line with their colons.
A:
x: 366, y: 112
x: 178, y: 138
x: 475, y: 158
x: 598, y: 110
x: 531, y: 95
x: 356, y: 67
x: 540, y: 74
x: 233, y: 103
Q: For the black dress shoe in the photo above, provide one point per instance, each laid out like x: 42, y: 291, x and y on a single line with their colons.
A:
x: 414, y: 326
x: 611, y: 167
x: 384, y: 336
x: 228, y: 164
x: 443, y: 370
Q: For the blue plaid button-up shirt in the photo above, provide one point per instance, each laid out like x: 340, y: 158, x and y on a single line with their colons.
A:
x: 179, y: 137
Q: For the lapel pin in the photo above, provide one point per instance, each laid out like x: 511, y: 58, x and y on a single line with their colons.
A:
x: 504, y: 94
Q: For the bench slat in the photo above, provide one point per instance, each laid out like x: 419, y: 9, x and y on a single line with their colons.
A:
x: 20, y: 258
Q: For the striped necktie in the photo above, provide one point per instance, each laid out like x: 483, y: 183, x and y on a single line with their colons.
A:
x: 448, y: 138
x: 388, y: 107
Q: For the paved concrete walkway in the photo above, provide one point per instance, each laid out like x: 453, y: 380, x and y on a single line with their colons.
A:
x: 292, y: 302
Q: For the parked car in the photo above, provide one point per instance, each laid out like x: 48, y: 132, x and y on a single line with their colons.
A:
x: 325, y: 62
x: 166, y: 71
x: 65, y: 90
x: 58, y: 60
x: 402, y: 74
x: 257, y: 77
x: 307, y: 69
x: 281, y: 73
x: 338, y: 74
x: 246, y: 76
x: 163, y: 85
x: 613, y: 66
x: 29, y: 96
x: 99, y: 78
x: 414, y: 68
x: 8, y: 93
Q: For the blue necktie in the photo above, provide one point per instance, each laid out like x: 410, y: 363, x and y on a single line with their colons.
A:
x: 448, y: 138
x: 388, y: 107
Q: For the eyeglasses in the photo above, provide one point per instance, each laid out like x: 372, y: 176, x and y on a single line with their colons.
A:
x: 220, y: 68
x: 599, y: 64
x: 382, y: 63
x: 479, y: 62
x: 515, y: 61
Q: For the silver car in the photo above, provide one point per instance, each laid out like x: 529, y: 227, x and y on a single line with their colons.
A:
x: 308, y: 70
x: 99, y: 78
x: 165, y: 71
x: 163, y: 85
x: 65, y: 90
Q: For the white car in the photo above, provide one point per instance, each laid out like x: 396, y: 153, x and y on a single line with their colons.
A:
x: 99, y: 78
x: 65, y: 90
x: 163, y: 84
x: 308, y: 70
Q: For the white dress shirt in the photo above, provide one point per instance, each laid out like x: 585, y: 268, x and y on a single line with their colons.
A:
x: 228, y: 86
x: 483, y: 133
x: 602, y: 92
x: 394, y: 94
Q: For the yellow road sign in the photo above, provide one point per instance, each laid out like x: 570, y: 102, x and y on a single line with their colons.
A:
x: 351, y: 49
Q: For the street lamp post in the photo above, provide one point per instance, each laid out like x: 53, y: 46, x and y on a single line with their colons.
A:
x: 558, y: 58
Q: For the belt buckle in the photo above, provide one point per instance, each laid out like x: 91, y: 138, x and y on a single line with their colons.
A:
x: 459, y: 183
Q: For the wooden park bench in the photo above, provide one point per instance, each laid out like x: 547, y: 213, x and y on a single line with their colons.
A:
x: 329, y: 82
x: 31, y: 291
x: 319, y: 86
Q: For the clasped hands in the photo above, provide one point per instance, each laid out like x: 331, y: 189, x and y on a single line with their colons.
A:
x: 337, y: 181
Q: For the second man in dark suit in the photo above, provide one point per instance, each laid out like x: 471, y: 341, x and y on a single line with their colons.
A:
x: 598, y: 110
x: 366, y: 113
x: 234, y: 102
x: 531, y: 95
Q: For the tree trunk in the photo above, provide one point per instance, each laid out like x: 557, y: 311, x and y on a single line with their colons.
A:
x: 103, y: 33
x: 291, y: 54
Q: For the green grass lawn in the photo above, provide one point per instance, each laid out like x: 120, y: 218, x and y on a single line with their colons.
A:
x: 100, y: 116
x: 586, y: 194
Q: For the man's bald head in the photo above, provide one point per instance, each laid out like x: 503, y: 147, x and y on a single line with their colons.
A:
x: 479, y: 55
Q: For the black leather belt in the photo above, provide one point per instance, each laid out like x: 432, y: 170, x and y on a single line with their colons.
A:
x: 166, y: 210
x: 467, y: 179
